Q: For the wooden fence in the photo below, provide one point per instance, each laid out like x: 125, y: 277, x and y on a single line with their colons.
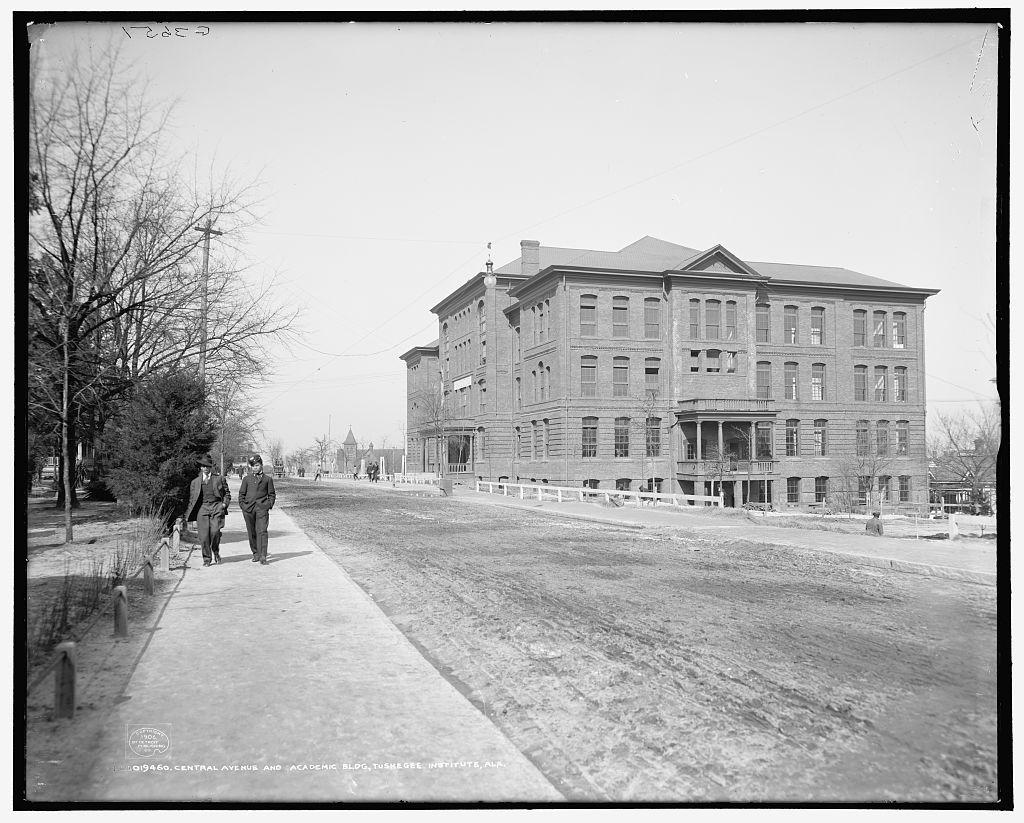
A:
x: 566, y: 493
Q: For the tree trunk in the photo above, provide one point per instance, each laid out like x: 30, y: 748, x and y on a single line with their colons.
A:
x: 66, y: 437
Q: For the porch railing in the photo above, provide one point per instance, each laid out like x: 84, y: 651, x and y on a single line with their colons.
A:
x: 729, y: 469
x: 726, y: 404
x: 566, y: 493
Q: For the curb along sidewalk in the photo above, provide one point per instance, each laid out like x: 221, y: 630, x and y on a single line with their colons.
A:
x: 952, y: 561
x: 287, y: 683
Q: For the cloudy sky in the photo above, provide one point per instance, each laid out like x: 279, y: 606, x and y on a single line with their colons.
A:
x: 391, y: 154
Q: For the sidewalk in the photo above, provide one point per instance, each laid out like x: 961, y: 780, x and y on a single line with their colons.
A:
x: 287, y: 683
x: 956, y: 560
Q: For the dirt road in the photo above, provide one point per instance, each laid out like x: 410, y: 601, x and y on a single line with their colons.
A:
x: 647, y: 667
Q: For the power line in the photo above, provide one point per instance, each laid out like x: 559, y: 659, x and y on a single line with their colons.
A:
x: 373, y: 239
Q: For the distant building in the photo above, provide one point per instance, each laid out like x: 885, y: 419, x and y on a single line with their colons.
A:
x: 663, y: 366
x: 352, y: 454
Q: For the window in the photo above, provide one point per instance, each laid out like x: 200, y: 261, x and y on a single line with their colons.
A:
x: 695, y: 319
x: 694, y: 360
x: 904, y: 488
x: 881, y: 380
x: 517, y: 349
x: 533, y: 323
x: 542, y: 323
x: 620, y: 377
x: 653, y: 436
x: 792, y: 489
x: 820, y: 438
x: 711, y: 361
x: 547, y: 382
x: 588, y: 315
x: 691, y: 450
x: 884, y: 482
x: 533, y: 440
x: 536, y: 386
x: 547, y: 319
x: 882, y: 437
x: 589, y: 437
x: 863, y: 439
x: 789, y: 324
x: 899, y: 384
x: 483, y: 396
x: 764, y: 380
x: 622, y: 484
x: 730, y: 320
x: 545, y: 439
x: 519, y: 443
x: 899, y: 330
x: 483, y: 351
x: 820, y: 489
x: 817, y: 381
x: 817, y: 326
x: 712, y: 319
x: 620, y: 317
x: 878, y: 333
x: 792, y: 438
x: 902, y: 437
x: 729, y: 364
x: 860, y: 327
x: 763, y: 437
x: 588, y: 376
x: 652, y: 318
x: 791, y: 381
x: 622, y: 437
x: 764, y: 334
x: 652, y: 376
x: 860, y: 382
x: 519, y: 393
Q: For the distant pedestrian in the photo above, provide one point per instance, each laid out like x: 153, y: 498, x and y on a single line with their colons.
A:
x: 874, y: 525
x: 317, y: 476
x: 355, y: 472
x: 208, y: 501
x: 256, y: 498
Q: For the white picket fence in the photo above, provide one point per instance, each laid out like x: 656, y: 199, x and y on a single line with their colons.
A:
x: 418, y: 479
x: 565, y: 493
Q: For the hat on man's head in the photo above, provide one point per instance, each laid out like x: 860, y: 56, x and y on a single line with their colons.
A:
x: 876, y: 514
x: 255, y: 459
x: 206, y: 460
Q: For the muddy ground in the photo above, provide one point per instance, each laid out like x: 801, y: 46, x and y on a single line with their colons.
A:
x: 639, y: 666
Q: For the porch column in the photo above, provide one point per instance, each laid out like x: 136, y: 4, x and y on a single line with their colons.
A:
x: 698, y: 441
x: 721, y: 441
x: 753, y: 442
x: 737, y: 493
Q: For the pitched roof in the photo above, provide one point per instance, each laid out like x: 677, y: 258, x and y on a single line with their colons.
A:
x: 653, y: 254
x: 350, y: 440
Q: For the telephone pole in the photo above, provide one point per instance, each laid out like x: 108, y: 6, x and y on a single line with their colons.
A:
x: 207, y: 230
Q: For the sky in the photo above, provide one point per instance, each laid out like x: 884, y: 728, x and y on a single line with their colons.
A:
x: 390, y: 155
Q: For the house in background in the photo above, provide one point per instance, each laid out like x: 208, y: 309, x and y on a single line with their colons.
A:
x: 662, y: 366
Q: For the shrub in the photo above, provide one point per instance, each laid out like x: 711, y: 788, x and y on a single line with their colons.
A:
x: 155, y: 441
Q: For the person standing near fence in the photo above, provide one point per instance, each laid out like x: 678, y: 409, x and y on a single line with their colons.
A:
x: 256, y: 497
x: 208, y: 501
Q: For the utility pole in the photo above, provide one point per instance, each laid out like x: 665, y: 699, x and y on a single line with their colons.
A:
x: 207, y: 230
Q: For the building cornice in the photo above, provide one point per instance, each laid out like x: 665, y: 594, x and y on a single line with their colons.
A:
x: 473, y: 288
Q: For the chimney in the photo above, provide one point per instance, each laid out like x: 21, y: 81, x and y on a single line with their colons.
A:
x: 530, y: 253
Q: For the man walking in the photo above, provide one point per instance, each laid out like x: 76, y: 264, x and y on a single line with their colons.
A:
x: 256, y: 498
x: 208, y: 500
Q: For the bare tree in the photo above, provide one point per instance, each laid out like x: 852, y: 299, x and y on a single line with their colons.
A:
x: 431, y: 412
x: 966, y: 446
x: 275, y: 449
x: 322, y: 447
x: 113, y: 285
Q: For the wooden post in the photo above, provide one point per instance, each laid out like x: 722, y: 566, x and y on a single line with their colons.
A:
x: 147, y: 573
x: 120, y: 596
x: 64, y: 681
x: 179, y: 525
x: 165, y: 557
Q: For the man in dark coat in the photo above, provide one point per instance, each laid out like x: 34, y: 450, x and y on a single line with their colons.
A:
x: 208, y: 499
x: 256, y: 498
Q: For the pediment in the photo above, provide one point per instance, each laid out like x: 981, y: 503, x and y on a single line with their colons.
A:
x: 717, y: 260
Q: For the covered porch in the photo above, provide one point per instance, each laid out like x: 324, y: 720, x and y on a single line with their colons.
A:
x: 726, y: 446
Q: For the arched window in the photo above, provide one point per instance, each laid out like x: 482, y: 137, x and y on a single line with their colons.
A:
x: 860, y: 327
x: 730, y: 320
x: 588, y: 376
x: 622, y: 437
x: 620, y: 317
x: 713, y: 319
x: 652, y: 376
x: 860, y: 382
x: 653, y: 430
x: 791, y: 379
x: 863, y: 438
x: 899, y: 330
x: 589, y: 444
x: 695, y: 319
x: 881, y: 383
x: 882, y: 437
x: 820, y: 438
x: 817, y: 326
x: 764, y: 380
x: 652, y: 318
x: 878, y: 334
x: 542, y: 374
x: 588, y: 315
x: 792, y: 437
x: 620, y: 377
x: 790, y: 324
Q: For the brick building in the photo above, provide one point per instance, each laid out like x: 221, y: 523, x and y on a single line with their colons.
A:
x: 683, y: 370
